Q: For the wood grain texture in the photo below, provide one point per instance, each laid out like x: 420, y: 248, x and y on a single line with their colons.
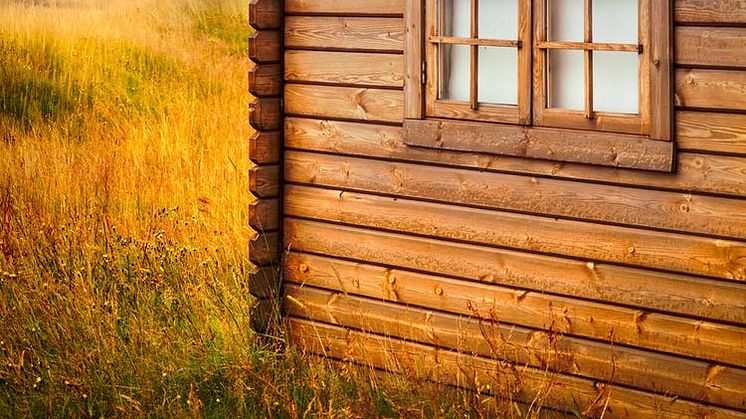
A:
x: 265, y: 113
x: 469, y: 371
x: 264, y: 181
x: 732, y: 12
x: 577, y: 239
x: 265, y: 80
x: 377, y: 34
x: 703, y: 46
x: 657, y: 92
x: 264, y: 214
x: 265, y: 47
x: 265, y: 14
x: 362, y: 7
x: 673, y: 211
x: 345, y: 102
x: 709, y: 131
x: 711, y: 89
x: 345, y: 68
x: 559, y: 145
x: 265, y: 147
x: 413, y: 58
x: 695, y: 172
x: 597, y: 281
x: 264, y: 249
x: 628, y: 326
x: 486, y: 337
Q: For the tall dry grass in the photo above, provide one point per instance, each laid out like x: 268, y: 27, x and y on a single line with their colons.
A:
x: 123, y: 226
x: 122, y: 207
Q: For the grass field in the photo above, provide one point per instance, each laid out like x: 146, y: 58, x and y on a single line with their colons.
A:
x: 123, y: 128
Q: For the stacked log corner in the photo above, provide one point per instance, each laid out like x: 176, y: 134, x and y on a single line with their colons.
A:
x: 265, y: 152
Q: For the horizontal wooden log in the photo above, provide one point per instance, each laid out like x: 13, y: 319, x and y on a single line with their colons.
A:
x: 550, y: 197
x: 354, y: 33
x: 605, y: 149
x: 361, y: 7
x: 265, y: 14
x: 264, y: 214
x: 265, y: 114
x: 265, y: 80
x: 717, y: 12
x: 527, y: 384
x: 264, y: 249
x: 709, y: 131
x: 265, y: 47
x: 345, y: 68
x: 264, y: 282
x: 264, y: 181
x: 633, y: 327
x: 694, y: 255
x: 695, y: 172
x: 631, y: 367
x: 711, y: 89
x: 702, y: 46
x: 265, y: 147
x: 345, y: 102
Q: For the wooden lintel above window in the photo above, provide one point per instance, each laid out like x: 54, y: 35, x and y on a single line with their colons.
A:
x: 591, y: 147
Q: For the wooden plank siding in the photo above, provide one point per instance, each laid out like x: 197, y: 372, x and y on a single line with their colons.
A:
x: 560, y: 392
x: 364, y: 104
x: 697, y: 171
x: 345, y: 33
x: 710, y: 47
x: 483, y: 336
x: 672, y: 211
x: 628, y: 246
x: 460, y: 263
x: 380, y: 70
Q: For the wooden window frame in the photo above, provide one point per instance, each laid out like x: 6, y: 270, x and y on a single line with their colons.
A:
x: 643, y: 141
x: 474, y: 110
x: 589, y: 118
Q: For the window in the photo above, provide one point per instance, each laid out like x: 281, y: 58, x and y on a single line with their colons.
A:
x: 482, y: 67
x: 568, y: 80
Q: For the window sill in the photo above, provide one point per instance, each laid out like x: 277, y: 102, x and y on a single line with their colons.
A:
x: 590, y: 147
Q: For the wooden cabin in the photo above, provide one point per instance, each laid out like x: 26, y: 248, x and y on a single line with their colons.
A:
x: 465, y: 185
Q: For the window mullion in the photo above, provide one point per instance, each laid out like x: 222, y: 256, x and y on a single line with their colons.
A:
x: 474, y: 69
x: 588, y: 54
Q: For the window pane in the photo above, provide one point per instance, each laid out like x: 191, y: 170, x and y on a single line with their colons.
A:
x: 498, y: 19
x: 498, y: 75
x: 455, y: 18
x: 565, y: 20
x: 616, y: 82
x: 615, y: 21
x: 566, y: 80
x: 454, y: 72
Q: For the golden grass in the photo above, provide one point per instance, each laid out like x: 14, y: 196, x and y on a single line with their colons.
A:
x: 123, y: 226
x: 122, y: 206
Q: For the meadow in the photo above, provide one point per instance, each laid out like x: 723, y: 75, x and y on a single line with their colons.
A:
x: 123, y: 236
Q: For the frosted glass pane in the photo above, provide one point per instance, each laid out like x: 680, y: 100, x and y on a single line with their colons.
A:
x: 498, y: 19
x: 615, y: 82
x: 454, y: 78
x: 615, y: 21
x: 565, y: 20
x: 498, y: 75
x: 457, y: 20
x: 566, y: 79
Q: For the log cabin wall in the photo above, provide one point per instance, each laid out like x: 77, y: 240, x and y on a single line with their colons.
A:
x: 395, y: 255
x: 265, y: 153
